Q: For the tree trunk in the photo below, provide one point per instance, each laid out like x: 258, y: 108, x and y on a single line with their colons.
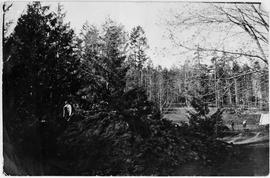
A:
x: 3, y: 25
x: 216, y: 87
x: 229, y: 93
x: 236, y: 92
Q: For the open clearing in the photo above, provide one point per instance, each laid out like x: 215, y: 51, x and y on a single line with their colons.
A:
x: 252, y: 118
x: 252, y: 145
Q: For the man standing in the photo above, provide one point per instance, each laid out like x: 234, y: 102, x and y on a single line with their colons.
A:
x: 67, y: 111
x: 244, y: 124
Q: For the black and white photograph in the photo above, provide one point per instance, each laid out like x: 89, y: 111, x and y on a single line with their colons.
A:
x: 135, y: 88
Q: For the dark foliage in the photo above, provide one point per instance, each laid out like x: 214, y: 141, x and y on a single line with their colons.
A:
x: 203, y: 124
x: 134, y: 140
x: 40, y: 74
x: 126, y: 141
x: 112, y: 131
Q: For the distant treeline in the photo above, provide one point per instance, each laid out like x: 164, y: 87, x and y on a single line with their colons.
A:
x: 224, y: 83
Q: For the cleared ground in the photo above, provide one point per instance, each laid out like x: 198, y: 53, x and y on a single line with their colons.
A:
x: 251, y: 145
x: 253, y: 118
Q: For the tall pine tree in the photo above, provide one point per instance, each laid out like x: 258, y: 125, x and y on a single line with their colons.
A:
x: 42, y: 74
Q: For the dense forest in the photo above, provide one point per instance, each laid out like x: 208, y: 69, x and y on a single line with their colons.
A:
x: 117, y: 95
x: 225, y: 83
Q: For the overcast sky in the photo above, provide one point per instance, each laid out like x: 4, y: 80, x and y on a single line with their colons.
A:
x: 149, y: 15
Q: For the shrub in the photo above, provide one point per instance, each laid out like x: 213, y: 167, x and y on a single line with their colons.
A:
x: 204, y: 124
x: 132, y: 139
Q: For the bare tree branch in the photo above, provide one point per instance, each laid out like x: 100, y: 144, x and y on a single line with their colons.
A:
x: 266, y: 25
x: 224, y: 51
x: 248, y: 17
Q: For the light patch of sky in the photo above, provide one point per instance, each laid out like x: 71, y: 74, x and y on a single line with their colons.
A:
x: 151, y: 16
x: 130, y: 14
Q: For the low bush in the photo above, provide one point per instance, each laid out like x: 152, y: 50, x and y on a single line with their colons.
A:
x: 132, y: 139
